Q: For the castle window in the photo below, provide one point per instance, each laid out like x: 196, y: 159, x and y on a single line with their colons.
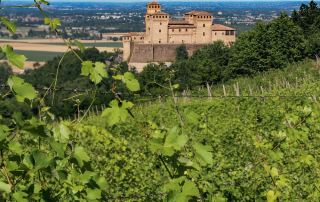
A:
x: 182, y: 41
x: 186, y: 30
x: 159, y: 41
x: 179, y: 30
x: 203, y: 33
x: 172, y: 30
x: 159, y: 30
x: 160, y: 23
x: 204, y: 25
x: 149, y: 28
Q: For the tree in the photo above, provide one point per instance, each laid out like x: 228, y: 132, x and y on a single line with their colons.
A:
x: 205, y: 66
x: 182, y: 53
x: 153, y: 77
x: 5, y: 72
x: 72, y: 88
x: 307, y: 17
x: 268, y: 45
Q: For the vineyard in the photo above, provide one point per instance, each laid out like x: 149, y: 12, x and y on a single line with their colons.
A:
x: 252, y: 136
x: 263, y: 147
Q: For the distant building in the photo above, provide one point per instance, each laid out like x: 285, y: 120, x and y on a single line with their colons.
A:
x: 195, y: 30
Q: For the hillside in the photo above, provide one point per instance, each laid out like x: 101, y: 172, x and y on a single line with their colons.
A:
x: 262, y: 146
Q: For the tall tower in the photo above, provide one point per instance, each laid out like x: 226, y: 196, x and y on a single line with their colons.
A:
x: 156, y: 24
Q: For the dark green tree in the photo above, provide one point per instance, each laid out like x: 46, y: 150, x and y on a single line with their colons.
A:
x: 153, y: 78
x: 267, y: 46
x: 5, y: 72
x: 182, y: 53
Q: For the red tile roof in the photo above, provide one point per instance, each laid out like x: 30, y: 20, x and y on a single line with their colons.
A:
x: 219, y: 27
x: 199, y: 13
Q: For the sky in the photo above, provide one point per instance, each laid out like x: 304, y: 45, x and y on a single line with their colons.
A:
x: 158, y: 0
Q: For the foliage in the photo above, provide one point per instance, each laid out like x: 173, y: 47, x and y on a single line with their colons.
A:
x: 267, y: 46
x: 182, y: 53
x: 5, y: 72
x: 152, y: 76
x: 308, y: 18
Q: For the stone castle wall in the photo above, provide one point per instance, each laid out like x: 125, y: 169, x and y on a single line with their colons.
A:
x: 145, y: 53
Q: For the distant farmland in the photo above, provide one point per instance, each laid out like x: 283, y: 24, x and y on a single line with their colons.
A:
x: 38, y: 56
x: 99, y: 44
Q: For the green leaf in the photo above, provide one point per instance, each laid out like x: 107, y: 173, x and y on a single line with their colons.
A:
x: 15, y: 59
x: 174, y: 140
x: 9, y: 25
x: 175, y: 86
x: 203, y: 154
x: 86, y: 68
x: 93, y: 194
x: 190, y: 189
x: 81, y: 155
x: 116, y: 114
x: 61, y: 133
x: 274, y: 172
x: 96, y: 71
x: 41, y: 159
x: 21, y: 89
x: 53, y: 23
x: 27, y: 161
x: 15, y: 147
x: 271, y: 196
x: 60, y: 148
x: 102, y: 183
x: 130, y: 81
x: 3, y: 132
x: 20, y: 196
x: 5, y: 187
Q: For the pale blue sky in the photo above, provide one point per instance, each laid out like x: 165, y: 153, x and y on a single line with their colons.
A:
x: 114, y: 1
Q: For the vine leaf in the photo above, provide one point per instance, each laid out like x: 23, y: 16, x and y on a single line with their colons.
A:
x: 21, y: 89
x: 93, y: 194
x: 81, y: 155
x: 116, y: 114
x: 3, y: 132
x: 96, y: 71
x: 61, y: 133
x: 16, y: 147
x: 203, y: 154
x: 53, y: 23
x: 190, y: 189
x: 5, y: 187
x: 131, y: 82
x: 20, y: 196
x: 15, y: 59
x: 271, y: 196
x: 9, y: 25
x: 174, y: 140
x: 41, y: 159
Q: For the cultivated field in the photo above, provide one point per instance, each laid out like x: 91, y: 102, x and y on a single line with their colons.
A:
x: 42, y: 50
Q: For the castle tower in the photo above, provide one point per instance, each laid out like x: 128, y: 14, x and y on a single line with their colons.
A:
x: 153, y: 7
x: 156, y: 24
x: 203, y: 23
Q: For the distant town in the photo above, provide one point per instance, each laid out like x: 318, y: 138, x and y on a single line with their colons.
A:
x: 104, y: 21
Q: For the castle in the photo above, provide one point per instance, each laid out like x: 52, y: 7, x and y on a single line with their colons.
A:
x: 163, y: 35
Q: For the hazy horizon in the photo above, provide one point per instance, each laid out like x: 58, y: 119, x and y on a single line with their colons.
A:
x: 160, y: 1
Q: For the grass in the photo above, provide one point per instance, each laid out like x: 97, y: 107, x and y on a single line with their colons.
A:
x: 38, y: 56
